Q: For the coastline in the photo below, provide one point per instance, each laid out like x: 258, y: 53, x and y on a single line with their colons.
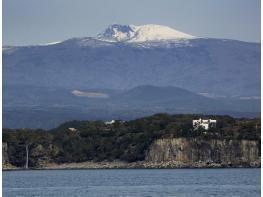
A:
x: 133, y: 165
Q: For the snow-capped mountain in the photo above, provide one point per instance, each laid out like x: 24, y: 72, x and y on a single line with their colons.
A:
x: 217, y: 67
x: 143, y: 33
x: 124, y: 57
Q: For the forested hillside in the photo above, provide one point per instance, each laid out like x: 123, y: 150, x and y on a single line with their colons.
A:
x: 78, y: 141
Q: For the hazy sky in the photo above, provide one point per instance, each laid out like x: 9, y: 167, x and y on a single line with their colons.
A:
x: 42, y: 21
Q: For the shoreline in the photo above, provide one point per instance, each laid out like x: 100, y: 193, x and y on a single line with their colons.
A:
x: 133, y: 165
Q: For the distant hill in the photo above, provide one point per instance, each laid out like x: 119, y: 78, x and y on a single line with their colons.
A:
x: 37, y: 107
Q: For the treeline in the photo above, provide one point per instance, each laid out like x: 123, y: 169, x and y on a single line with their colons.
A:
x: 78, y: 141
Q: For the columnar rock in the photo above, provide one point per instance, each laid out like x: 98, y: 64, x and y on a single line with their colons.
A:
x: 5, y: 159
x: 198, y: 150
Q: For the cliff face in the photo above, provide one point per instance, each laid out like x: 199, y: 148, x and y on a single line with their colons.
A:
x: 5, y: 158
x: 4, y: 153
x: 163, y: 153
x: 229, y: 152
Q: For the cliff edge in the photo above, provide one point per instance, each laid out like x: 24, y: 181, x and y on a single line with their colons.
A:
x: 194, y: 151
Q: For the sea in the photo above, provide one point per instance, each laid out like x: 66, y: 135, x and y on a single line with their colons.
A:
x: 133, y: 182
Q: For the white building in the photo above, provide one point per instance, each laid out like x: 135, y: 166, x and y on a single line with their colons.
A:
x: 205, y: 123
x: 110, y: 122
x: 72, y: 129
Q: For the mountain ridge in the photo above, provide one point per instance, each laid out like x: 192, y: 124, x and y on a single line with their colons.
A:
x: 127, y: 34
x: 207, y: 61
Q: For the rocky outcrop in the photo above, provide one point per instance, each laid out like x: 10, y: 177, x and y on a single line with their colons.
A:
x: 42, y: 155
x: 162, y: 153
x: 193, y: 152
x: 4, y: 153
x: 5, y: 159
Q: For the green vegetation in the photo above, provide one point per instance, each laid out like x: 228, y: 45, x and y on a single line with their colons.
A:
x: 127, y: 141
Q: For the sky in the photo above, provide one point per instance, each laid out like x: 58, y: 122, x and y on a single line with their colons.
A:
x: 29, y: 22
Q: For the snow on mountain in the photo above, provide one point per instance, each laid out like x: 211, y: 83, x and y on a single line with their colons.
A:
x: 51, y: 43
x: 138, y: 55
x: 213, y: 66
x: 89, y: 94
x: 143, y: 33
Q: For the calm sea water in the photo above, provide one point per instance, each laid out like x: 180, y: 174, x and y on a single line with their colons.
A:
x: 172, y: 182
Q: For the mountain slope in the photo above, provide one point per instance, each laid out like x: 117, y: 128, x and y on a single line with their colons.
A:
x: 219, y: 67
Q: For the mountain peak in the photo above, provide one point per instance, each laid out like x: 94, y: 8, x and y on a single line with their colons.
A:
x: 132, y: 33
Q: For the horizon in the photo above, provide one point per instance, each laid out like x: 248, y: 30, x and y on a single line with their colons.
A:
x: 98, y: 34
x: 23, y: 25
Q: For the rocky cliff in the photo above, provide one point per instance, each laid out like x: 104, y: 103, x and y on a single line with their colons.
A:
x: 4, y: 153
x: 165, y: 153
x: 206, y: 152
x: 159, y: 141
x: 5, y: 158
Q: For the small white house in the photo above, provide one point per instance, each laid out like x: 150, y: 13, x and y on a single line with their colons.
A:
x: 110, y: 122
x: 205, y: 123
x: 72, y: 129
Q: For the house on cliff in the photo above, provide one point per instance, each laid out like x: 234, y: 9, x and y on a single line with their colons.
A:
x: 205, y: 123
